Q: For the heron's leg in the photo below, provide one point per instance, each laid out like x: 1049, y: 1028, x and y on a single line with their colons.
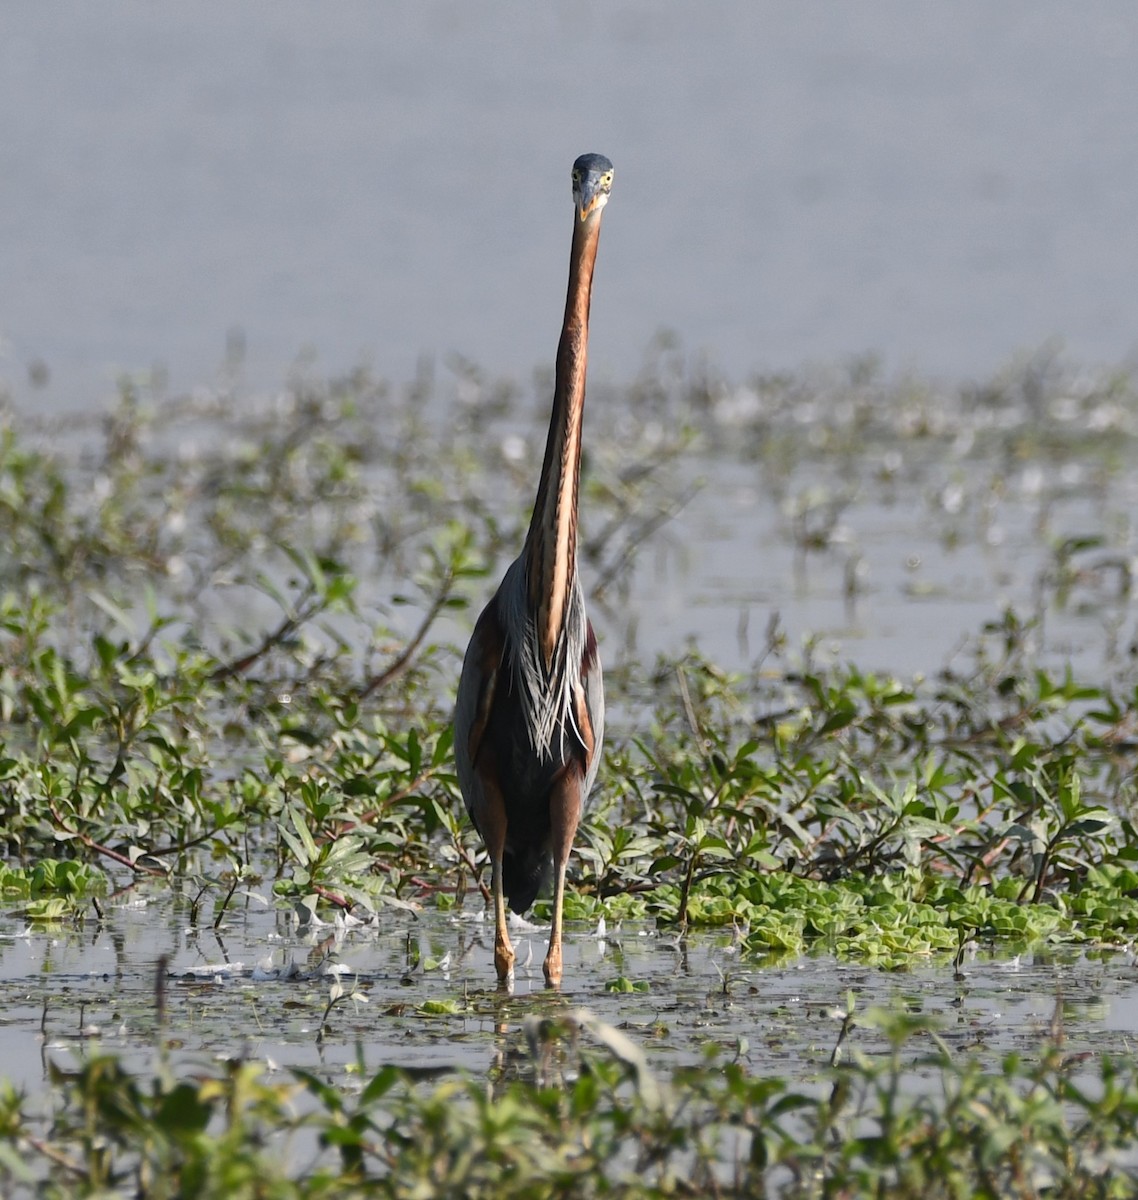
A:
x: 492, y: 820
x: 503, y: 950
x: 565, y: 813
x: 553, y: 956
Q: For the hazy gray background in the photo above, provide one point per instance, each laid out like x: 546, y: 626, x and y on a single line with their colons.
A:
x: 943, y: 184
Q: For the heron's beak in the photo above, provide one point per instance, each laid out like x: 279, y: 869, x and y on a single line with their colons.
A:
x: 593, y: 198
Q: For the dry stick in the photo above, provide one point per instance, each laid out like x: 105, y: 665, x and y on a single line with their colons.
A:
x: 384, y: 677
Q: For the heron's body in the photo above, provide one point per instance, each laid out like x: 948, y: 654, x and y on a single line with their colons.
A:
x: 529, y: 718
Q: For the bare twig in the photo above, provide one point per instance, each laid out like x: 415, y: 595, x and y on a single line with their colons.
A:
x: 403, y: 661
x: 220, y: 915
x: 309, y: 607
x: 639, y: 534
x: 56, y: 1156
x: 333, y: 898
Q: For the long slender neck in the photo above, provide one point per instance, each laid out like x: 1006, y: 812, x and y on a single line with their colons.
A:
x: 551, y: 544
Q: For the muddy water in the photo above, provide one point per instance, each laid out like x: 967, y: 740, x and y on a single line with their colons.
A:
x: 258, y: 986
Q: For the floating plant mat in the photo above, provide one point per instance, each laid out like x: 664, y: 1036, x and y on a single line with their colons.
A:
x: 864, y: 827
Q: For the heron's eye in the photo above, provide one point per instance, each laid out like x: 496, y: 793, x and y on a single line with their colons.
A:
x: 576, y: 176
x: 608, y: 179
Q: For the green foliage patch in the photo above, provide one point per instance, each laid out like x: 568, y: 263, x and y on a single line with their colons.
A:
x: 228, y: 646
x: 584, y: 1115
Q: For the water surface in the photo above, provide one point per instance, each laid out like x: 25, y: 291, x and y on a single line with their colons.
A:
x: 258, y: 987
x: 943, y: 186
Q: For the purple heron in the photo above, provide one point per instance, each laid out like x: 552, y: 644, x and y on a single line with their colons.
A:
x: 530, y: 712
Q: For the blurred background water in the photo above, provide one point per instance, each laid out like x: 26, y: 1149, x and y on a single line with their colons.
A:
x: 941, y: 185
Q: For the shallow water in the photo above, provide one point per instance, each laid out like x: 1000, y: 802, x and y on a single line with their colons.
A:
x: 728, y: 563
x: 258, y: 988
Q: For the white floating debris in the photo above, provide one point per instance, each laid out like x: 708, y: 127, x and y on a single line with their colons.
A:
x: 217, y: 971
x: 517, y: 922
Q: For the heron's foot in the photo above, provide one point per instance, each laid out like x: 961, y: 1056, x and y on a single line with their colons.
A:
x: 552, y: 967
x: 504, y: 960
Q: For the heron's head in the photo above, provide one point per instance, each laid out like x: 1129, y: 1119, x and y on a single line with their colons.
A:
x: 592, y: 182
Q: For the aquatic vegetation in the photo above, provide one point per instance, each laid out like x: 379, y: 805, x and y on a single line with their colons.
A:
x: 227, y: 659
x: 584, y: 1114
x: 52, y: 888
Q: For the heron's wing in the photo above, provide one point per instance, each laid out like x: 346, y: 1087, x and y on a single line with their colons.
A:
x: 590, y: 712
x: 478, y: 685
